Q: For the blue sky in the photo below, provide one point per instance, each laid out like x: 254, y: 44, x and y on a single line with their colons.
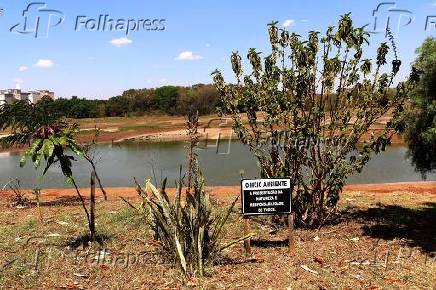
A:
x: 198, y: 38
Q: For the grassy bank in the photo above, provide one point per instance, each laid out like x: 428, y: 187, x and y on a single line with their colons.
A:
x: 381, y: 241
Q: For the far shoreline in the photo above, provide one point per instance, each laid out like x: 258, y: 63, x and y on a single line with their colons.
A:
x: 178, y: 135
x: 165, y: 128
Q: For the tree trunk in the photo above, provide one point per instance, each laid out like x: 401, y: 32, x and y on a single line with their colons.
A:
x: 92, y: 209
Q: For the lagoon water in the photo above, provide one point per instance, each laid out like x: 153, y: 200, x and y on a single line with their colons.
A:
x: 118, y: 164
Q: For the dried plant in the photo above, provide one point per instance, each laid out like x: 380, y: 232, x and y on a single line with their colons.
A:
x: 18, y: 198
x: 189, y: 229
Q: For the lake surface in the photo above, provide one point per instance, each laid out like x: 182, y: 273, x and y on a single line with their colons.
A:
x: 119, y: 163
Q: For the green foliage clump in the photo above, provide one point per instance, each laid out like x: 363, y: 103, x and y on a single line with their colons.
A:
x: 172, y: 100
x: 420, y: 118
x: 49, y: 138
x: 166, y: 97
x: 303, y: 109
x: 24, y: 119
x: 49, y: 144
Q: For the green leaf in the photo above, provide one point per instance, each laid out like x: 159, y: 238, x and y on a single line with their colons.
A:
x: 34, y: 148
x: 23, y: 160
x: 48, y: 148
x: 76, y: 149
x: 65, y: 163
x: 69, y: 180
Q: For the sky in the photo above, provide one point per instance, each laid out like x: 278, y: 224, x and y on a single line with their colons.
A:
x: 192, y: 38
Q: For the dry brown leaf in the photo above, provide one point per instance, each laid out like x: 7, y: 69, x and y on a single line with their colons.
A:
x: 104, y: 267
x: 319, y: 260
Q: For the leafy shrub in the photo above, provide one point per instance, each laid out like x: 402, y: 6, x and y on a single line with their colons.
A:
x: 308, y: 105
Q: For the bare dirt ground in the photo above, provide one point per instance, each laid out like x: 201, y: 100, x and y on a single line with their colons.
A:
x: 146, y: 128
x: 425, y: 187
x: 152, y: 128
x: 384, y: 238
x: 160, y: 128
x: 169, y: 128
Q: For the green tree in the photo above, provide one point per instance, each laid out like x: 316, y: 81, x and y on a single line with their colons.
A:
x: 307, y: 106
x: 51, y: 141
x: 24, y: 119
x: 166, y: 98
x: 140, y: 101
x: 118, y: 106
x: 420, y: 125
x: 199, y: 97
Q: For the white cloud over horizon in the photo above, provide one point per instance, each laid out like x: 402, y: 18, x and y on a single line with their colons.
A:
x: 288, y: 22
x: 22, y: 68
x: 44, y: 63
x: 188, y: 55
x: 118, y: 42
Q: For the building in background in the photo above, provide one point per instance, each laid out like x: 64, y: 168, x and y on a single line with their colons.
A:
x: 12, y: 95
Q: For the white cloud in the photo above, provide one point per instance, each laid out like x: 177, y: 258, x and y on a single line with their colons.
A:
x: 304, y: 20
x: 118, y: 42
x: 22, y: 68
x: 188, y: 55
x: 288, y: 22
x: 44, y: 63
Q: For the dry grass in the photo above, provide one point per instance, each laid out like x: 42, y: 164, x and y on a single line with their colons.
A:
x: 381, y: 241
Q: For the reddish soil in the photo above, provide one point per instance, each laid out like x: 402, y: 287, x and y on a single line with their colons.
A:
x: 223, y: 192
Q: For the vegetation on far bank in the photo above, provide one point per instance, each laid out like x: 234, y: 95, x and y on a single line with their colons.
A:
x: 420, y: 121
x: 170, y: 100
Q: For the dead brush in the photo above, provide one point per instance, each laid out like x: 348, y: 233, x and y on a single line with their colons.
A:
x: 18, y: 198
x: 188, y: 229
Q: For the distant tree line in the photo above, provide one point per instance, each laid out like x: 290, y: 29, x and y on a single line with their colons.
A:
x: 172, y: 100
